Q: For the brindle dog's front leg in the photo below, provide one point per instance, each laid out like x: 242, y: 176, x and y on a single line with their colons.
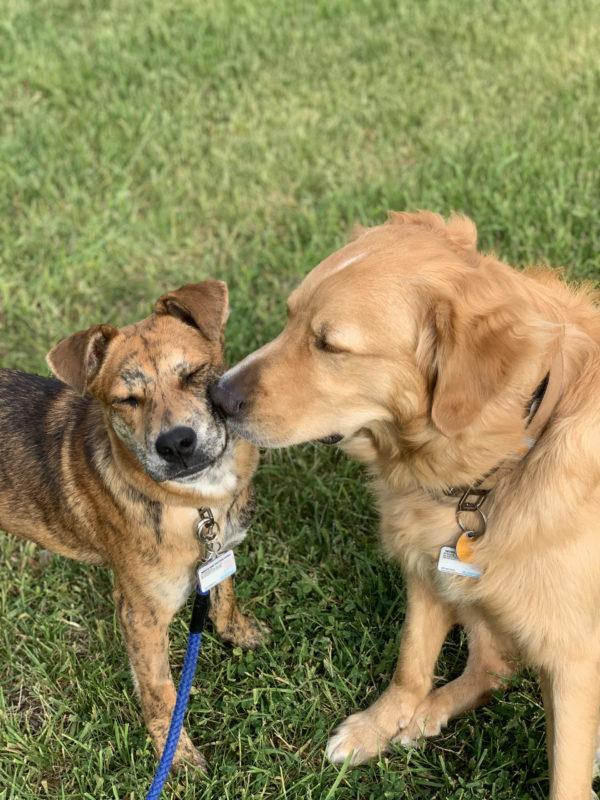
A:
x: 145, y: 629
x: 229, y: 622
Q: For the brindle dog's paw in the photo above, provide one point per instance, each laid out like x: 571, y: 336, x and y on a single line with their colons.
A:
x: 188, y: 755
x: 244, y: 632
x: 185, y: 755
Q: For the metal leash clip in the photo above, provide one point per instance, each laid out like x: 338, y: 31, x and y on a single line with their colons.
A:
x: 208, y: 531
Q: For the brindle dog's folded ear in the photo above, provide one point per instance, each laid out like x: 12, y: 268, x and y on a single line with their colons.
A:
x: 77, y: 359
x: 204, y: 305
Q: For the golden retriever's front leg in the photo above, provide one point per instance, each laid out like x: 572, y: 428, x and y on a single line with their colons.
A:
x: 548, y: 701
x: 573, y: 691
x: 487, y: 669
x: 144, y: 623
x: 369, y: 732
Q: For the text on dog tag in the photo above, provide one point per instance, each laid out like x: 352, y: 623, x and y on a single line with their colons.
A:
x: 449, y: 562
x: 216, y: 570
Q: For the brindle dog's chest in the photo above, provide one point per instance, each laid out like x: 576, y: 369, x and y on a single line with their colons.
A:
x: 170, y: 565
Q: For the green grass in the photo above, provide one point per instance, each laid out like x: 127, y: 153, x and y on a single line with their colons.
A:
x: 146, y: 144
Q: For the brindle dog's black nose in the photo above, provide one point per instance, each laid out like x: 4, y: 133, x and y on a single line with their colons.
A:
x: 227, y: 397
x: 175, y: 446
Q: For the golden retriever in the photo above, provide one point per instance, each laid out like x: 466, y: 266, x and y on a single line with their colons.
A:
x: 445, y: 370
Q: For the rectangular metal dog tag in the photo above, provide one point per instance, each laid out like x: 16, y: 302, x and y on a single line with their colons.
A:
x: 216, y: 570
x: 449, y: 562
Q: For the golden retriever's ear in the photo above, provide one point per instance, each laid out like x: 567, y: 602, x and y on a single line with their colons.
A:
x: 77, y: 359
x: 356, y: 231
x: 459, y: 230
x: 462, y: 231
x: 203, y: 305
x: 474, y: 361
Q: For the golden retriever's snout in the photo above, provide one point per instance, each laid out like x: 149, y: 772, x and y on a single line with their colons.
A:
x: 229, y: 396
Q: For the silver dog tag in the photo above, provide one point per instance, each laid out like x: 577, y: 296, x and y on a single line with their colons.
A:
x: 212, y: 572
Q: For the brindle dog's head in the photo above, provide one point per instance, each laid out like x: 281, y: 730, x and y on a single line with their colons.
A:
x: 152, y: 377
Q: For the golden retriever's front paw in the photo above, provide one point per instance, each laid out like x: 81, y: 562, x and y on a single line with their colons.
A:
x: 429, y: 719
x: 358, y: 737
x: 369, y: 732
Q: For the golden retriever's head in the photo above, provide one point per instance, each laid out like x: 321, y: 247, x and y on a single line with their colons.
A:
x: 404, y: 322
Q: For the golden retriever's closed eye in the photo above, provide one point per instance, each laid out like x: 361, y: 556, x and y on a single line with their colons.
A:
x: 443, y: 368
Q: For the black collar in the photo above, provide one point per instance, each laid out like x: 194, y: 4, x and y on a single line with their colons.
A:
x: 536, y: 398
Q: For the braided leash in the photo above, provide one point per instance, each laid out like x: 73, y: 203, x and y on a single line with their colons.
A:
x: 216, y: 567
x: 197, y: 622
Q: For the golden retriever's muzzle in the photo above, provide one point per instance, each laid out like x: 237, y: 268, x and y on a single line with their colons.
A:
x: 234, y: 396
x: 240, y: 396
x: 231, y: 395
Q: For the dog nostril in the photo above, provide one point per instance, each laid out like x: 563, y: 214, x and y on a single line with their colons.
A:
x: 237, y: 405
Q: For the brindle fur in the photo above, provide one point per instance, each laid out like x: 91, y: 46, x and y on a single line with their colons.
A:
x: 73, y: 485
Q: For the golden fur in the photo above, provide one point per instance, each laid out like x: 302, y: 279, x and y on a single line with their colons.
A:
x: 421, y: 354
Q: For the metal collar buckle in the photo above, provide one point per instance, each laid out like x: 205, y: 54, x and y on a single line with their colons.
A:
x: 470, y: 502
x: 208, y: 531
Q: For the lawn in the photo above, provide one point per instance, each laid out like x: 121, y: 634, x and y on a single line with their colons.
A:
x: 147, y: 144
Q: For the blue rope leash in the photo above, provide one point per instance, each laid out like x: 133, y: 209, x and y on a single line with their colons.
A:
x: 199, y: 615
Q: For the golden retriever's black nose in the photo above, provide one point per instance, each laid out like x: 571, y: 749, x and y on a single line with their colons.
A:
x: 177, y: 445
x: 227, y: 397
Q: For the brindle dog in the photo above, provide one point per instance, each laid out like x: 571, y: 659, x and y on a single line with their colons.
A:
x: 116, y: 458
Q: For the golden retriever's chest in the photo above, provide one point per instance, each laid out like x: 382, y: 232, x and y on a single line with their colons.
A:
x: 538, y: 596
x: 414, y: 528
